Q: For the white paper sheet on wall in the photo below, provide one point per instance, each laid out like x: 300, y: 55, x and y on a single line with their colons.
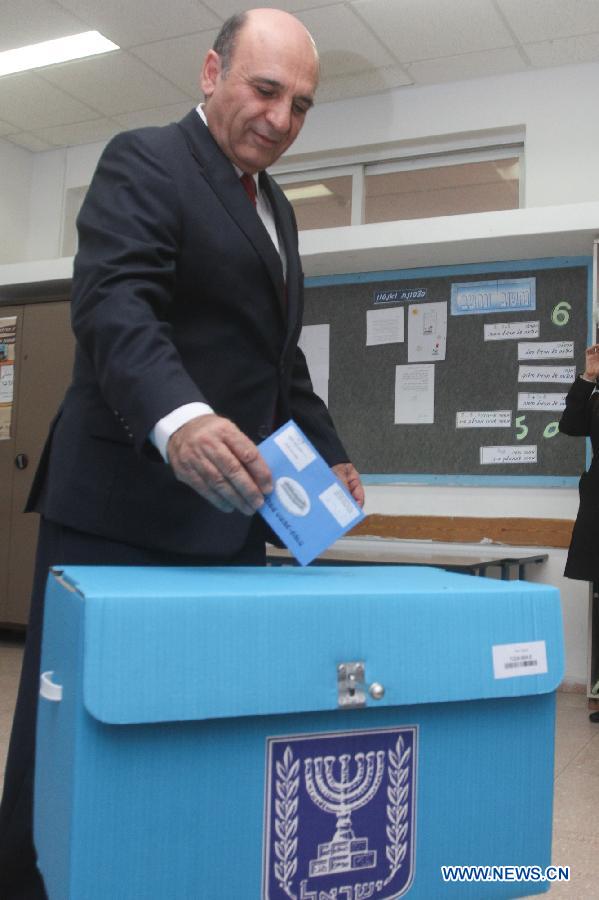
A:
x: 546, y: 350
x: 491, y: 418
x: 427, y: 332
x: 547, y: 374
x: 385, y: 326
x: 415, y: 395
x: 315, y: 341
x: 517, y: 455
x: 506, y: 331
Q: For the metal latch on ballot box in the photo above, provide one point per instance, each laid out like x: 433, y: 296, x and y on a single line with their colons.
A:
x: 351, y: 687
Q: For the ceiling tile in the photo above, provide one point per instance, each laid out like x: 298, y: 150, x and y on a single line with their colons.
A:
x: 130, y: 22
x: 29, y: 142
x: 79, y: 133
x: 226, y: 8
x: 540, y: 20
x: 163, y: 115
x: 30, y: 21
x: 179, y: 59
x: 426, y: 29
x: 342, y: 87
x: 29, y: 102
x: 114, y: 83
x: 344, y: 43
x: 7, y: 128
x: 467, y: 65
x: 564, y: 51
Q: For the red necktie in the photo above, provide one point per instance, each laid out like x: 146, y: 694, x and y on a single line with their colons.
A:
x: 249, y: 186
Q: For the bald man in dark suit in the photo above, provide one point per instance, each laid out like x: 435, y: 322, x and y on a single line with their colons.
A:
x: 187, y: 308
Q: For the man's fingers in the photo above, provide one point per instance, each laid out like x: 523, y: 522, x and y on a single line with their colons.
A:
x: 248, y: 460
x: 348, y: 474
x: 212, y: 456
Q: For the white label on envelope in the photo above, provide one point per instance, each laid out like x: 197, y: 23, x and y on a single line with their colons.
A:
x: 292, y: 496
x: 339, y: 505
x: 513, y: 660
x: 295, y: 448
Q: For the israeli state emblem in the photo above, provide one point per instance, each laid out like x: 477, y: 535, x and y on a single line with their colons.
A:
x: 339, y: 818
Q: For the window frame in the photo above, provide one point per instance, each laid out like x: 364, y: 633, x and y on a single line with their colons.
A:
x: 377, y: 163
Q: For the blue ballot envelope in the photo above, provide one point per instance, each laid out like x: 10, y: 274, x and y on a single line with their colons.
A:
x: 293, y: 733
x: 309, y: 508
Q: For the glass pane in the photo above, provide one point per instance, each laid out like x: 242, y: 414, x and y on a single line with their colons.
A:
x: 322, y: 203
x: 443, y: 190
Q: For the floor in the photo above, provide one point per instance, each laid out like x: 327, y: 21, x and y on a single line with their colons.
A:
x: 576, y: 811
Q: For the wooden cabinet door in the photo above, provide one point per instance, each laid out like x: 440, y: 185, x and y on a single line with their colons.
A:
x: 44, y: 361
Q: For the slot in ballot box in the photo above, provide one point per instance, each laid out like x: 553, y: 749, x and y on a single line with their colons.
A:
x: 293, y: 734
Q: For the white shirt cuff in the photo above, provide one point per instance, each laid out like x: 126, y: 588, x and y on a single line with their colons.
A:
x: 167, y: 426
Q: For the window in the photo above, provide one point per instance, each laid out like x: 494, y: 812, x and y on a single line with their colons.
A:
x: 421, y: 192
x: 433, y: 184
x: 320, y: 202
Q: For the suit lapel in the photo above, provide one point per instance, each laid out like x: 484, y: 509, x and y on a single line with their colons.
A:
x: 223, y: 179
x: 288, y: 237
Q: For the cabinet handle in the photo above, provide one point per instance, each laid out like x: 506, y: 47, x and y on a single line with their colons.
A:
x: 21, y: 461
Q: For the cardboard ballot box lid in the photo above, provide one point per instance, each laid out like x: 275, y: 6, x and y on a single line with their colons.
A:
x: 179, y: 644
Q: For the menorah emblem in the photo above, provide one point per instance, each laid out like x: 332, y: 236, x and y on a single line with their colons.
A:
x: 342, y: 796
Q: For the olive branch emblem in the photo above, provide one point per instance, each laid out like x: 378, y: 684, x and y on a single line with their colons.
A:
x: 286, y: 821
x: 397, y: 807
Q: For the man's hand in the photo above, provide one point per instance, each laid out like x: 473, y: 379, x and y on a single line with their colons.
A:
x: 348, y: 474
x: 591, y: 371
x: 212, y: 456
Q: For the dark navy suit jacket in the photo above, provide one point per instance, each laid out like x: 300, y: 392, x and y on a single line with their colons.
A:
x: 178, y: 296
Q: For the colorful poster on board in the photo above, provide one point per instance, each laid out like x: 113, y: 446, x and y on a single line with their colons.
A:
x: 8, y: 335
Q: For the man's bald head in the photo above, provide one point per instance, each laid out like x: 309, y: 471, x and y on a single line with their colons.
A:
x: 259, y: 82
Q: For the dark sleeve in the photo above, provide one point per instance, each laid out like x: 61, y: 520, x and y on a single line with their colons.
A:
x: 124, y: 284
x: 577, y: 416
x: 312, y: 415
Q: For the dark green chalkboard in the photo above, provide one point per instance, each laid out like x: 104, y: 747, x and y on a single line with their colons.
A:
x: 476, y: 375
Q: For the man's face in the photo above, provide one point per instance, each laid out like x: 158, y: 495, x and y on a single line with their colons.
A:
x: 256, y: 110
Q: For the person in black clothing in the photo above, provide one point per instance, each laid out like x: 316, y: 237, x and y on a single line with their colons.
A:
x: 187, y: 307
x: 581, y: 419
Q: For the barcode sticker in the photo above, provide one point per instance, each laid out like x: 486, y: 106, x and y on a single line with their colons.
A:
x: 513, y: 660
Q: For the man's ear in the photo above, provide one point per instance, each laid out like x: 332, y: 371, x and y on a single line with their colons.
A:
x: 211, y: 71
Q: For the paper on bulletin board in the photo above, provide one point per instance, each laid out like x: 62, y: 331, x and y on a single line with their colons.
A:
x: 505, y: 331
x: 517, y: 455
x: 315, y: 343
x: 427, y: 332
x: 8, y: 335
x: 487, y: 418
x: 385, y: 326
x: 550, y: 402
x: 415, y: 394
x: 546, y: 350
x: 548, y: 374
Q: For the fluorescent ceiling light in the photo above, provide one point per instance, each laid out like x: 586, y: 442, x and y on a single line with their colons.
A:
x: 76, y: 46
x: 307, y: 192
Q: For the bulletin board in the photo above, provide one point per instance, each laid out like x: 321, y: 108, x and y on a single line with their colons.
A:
x: 453, y: 375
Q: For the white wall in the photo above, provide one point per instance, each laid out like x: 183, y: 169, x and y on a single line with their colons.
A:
x: 16, y: 168
x: 46, y: 207
x: 554, y: 105
x: 556, y: 109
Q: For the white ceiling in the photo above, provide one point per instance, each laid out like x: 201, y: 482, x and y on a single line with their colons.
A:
x: 366, y: 47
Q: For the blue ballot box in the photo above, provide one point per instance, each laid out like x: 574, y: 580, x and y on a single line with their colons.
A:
x: 294, y: 734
